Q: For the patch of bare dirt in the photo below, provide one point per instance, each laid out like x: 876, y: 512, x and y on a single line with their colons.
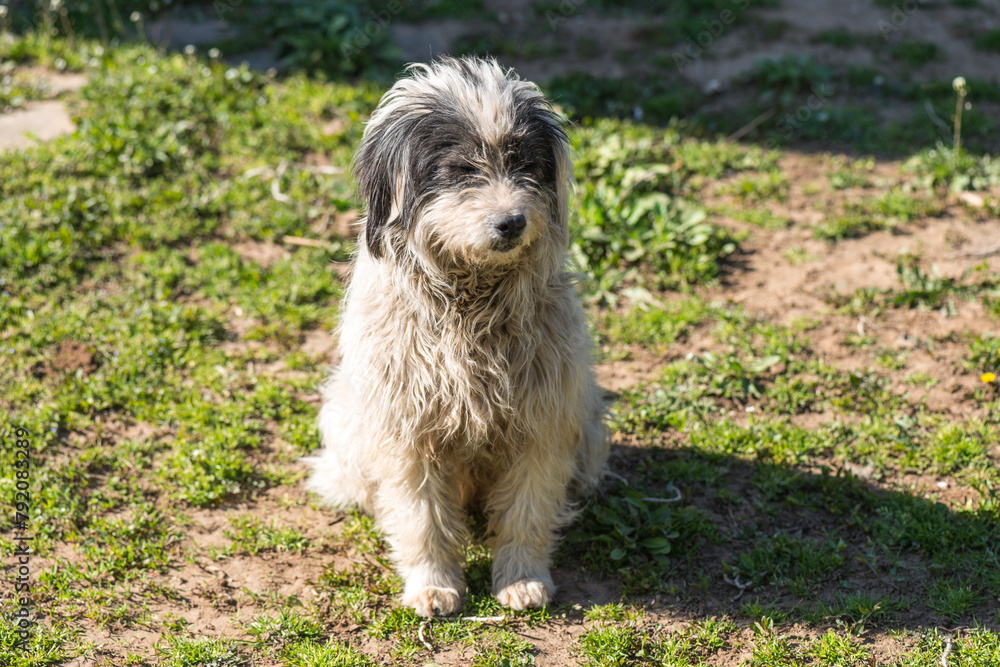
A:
x: 40, y: 120
x: 71, y: 356
x: 640, y: 366
x: 264, y: 253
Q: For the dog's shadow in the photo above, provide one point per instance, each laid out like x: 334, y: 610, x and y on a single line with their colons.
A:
x: 715, y: 534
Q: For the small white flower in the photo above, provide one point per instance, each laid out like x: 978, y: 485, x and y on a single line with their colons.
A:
x: 135, y: 17
x: 958, y: 84
x: 3, y: 11
x: 55, y: 5
x: 214, y: 53
x: 189, y: 49
x: 60, y: 64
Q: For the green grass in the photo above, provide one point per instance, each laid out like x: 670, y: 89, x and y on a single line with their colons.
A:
x: 756, y: 189
x: 758, y: 217
x: 654, y: 325
x: 922, y: 288
x: 884, y: 213
x: 637, y: 227
x: 988, y: 41
x: 940, y: 166
x: 916, y: 52
x: 329, y: 654
x: 838, y: 37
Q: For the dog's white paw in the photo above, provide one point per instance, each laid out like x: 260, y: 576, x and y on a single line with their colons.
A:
x: 524, y: 594
x: 427, y: 601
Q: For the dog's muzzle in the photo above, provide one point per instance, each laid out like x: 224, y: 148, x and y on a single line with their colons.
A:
x: 508, y: 231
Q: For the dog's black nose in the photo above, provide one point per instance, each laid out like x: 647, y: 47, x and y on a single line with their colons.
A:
x: 511, y: 226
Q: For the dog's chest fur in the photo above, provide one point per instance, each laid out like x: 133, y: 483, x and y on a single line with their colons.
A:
x: 476, y: 355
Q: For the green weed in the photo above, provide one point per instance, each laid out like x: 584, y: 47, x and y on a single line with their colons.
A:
x: 915, y: 53
x: 785, y: 560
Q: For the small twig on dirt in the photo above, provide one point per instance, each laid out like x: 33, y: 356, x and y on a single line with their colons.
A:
x: 947, y: 650
x: 310, y: 243
x: 257, y: 171
x: 615, y: 475
x: 735, y: 581
x: 420, y: 633
x: 474, y: 619
x: 325, y: 169
x: 276, y: 184
x: 880, y: 578
x: 978, y: 254
x: 276, y: 174
x: 752, y: 125
x: 675, y: 499
x: 934, y: 117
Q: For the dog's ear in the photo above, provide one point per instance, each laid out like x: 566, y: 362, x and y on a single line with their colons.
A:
x: 559, y: 161
x: 381, y: 168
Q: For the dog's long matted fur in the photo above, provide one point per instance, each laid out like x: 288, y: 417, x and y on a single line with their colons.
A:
x: 465, y: 377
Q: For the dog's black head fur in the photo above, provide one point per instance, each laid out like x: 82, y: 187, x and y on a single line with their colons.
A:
x: 430, y: 137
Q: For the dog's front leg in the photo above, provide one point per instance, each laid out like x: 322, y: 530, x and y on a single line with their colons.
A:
x: 526, y: 507
x: 420, y: 514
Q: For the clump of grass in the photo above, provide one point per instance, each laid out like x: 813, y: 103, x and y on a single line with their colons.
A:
x: 330, y: 654
x: 852, y: 226
x: 883, y: 213
x: 586, y: 97
x: 251, y: 535
x: 612, y: 646
x: 838, y: 37
x: 771, y: 185
x: 785, y: 560
x: 326, y: 36
x: 629, y: 531
x: 178, y: 651
x: 988, y: 41
x: 916, y: 52
x: 835, y: 649
x: 783, y: 80
x: 634, y: 230
x: 952, y: 599
x: 955, y: 170
x: 656, y: 324
x: 854, y: 175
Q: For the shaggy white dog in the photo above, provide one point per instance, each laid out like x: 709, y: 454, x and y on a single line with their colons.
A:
x: 465, y: 378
